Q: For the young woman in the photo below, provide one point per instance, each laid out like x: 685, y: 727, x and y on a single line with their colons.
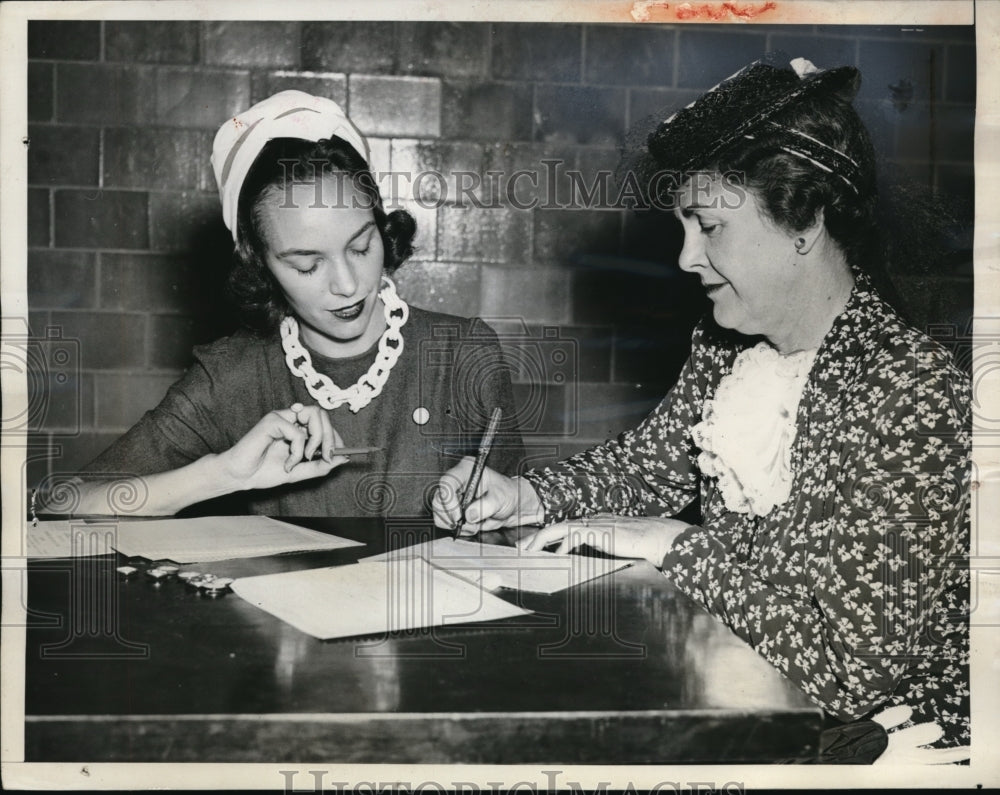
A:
x: 332, y: 356
x: 828, y: 443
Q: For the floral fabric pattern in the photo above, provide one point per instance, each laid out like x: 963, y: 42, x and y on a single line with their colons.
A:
x: 857, y: 587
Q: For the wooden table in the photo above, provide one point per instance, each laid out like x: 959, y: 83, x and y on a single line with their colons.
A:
x: 622, y: 670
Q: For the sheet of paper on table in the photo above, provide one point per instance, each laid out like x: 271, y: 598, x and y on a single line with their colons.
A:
x: 208, y: 538
x: 494, y: 566
x: 372, y: 598
x: 69, y: 539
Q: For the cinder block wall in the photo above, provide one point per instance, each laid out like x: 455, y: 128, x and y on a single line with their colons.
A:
x: 127, y: 249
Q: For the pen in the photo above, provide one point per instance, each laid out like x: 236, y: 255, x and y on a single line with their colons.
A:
x: 477, y: 469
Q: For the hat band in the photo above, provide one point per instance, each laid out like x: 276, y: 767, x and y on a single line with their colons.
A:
x: 821, y: 155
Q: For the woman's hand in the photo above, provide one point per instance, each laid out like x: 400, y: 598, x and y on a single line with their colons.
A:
x: 500, y: 501
x: 281, y: 448
x: 286, y: 446
x: 648, y: 537
x: 907, y: 746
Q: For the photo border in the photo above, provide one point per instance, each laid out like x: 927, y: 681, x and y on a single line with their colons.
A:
x: 984, y: 767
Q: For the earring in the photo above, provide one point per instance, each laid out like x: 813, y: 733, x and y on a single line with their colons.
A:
x: 800, y: 243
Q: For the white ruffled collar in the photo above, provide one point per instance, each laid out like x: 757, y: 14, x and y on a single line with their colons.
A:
x: 748, y: 428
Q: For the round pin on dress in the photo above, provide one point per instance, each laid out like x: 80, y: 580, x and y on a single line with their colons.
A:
x: 421, y: 415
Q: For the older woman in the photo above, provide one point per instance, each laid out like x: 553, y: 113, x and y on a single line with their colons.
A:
x: 827, y: 441
x: 333, y: 355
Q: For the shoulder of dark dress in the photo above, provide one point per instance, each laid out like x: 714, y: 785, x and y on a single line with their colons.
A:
x: 235, y: 358
x: 233, y: 347
x: 440, y: 325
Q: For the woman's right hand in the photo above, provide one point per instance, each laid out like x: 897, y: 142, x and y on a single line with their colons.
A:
x: 500, y: 501
x: 281, y: 447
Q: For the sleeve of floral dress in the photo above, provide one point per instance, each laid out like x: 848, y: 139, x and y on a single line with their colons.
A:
x: 650, y: 470
x: 895, y: 536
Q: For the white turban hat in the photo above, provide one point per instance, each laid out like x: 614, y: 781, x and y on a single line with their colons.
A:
x: 287, y: 114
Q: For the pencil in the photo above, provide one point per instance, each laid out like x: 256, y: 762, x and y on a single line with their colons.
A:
x: 351, y: 451
x: 485, y: 445
x: 354, y: 450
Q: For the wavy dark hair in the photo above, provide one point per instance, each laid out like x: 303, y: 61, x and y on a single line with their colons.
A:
x: 793, y: 190
x: 283, y: 162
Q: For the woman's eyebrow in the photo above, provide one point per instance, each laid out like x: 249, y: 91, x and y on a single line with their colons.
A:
x: 688, y: 210
x: 308, y: 252
x: 361, y: 231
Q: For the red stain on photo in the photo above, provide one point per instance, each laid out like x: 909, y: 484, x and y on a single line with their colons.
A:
x: 722, y: 11
x: 645, y: 10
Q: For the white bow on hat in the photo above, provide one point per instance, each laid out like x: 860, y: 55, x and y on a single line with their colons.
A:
x: 287, y: 114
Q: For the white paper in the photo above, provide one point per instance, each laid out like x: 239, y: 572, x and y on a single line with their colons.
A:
x: 494, y: 566
x: 372, y: 598
x: 210, y: 538
x: 69, y: 539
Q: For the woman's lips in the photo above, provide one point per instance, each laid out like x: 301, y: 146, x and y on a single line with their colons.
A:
x: 349, y: 312
x: 712, y: 289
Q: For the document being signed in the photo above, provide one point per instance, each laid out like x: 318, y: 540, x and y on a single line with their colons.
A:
x: 372, y: 598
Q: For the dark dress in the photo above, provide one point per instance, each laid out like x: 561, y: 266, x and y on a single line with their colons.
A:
x: 452, y: 367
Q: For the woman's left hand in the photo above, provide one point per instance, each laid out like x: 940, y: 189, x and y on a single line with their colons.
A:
x: 648, y: 537
x: 909, y: 746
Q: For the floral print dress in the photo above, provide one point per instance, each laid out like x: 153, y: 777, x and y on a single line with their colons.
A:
x: 856, y: 587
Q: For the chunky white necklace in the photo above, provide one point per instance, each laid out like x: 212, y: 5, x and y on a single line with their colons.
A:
x: 369, y: 386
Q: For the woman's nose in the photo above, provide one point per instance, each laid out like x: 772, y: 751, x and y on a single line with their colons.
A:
x: 692, y: 254
x: 342, y: 279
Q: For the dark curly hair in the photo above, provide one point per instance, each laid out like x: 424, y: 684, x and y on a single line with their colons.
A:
x: 793, y: 190
x: 282, y: 162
